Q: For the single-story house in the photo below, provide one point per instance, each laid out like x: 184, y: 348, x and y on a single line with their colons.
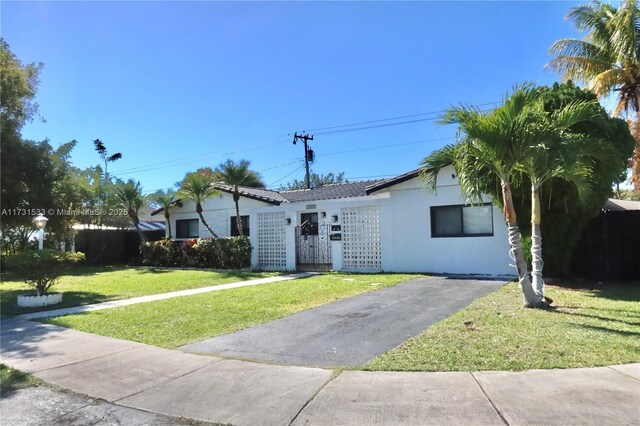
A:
x: 391, y: 225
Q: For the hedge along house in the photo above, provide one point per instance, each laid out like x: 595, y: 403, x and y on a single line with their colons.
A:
x: 392, y: 225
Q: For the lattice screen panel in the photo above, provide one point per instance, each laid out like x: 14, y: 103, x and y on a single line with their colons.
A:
x: 272, y: 248
x: 361, y: 238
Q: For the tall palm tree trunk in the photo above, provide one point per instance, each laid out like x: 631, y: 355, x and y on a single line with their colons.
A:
x: 236, y: 199
x: 536, y: 247
x: 515, y: 243
x: 166, y: 218
x: 136, y: 222
x: 204, y: 222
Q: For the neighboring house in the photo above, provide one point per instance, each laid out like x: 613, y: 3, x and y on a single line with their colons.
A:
x: 616, y: 205
x: 392, y: 225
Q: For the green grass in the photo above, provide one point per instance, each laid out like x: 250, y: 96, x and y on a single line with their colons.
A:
x: 11, y: 379
x: 588, y: 328
x: 85, y: 285
x: 174, y: 322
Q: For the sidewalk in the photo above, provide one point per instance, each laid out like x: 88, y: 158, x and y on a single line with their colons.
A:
x: 211, y: 389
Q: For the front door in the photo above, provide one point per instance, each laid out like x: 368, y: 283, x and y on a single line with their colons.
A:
x: 313, y: 248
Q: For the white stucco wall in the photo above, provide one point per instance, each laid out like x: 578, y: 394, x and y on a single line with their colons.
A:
x: 405, y: 228
x: 407, y: 244
x: 217, y: 211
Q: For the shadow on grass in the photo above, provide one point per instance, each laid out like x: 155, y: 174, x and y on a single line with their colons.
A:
x: 606, y: 330
x: 9, y: 305
x: 603, y: 318
x: 623, y: 291
x: 627, y: 293
x: 76, y: 271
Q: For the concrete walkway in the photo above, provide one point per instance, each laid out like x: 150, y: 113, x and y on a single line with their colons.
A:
x: 162, y: 296
x: 351, y: 331
x: 211, y: 389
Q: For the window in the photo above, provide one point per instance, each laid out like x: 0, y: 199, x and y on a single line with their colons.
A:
x: 187, y: 228
x: 462, y: 221
x: 234, y: 226
x: 309, y: 223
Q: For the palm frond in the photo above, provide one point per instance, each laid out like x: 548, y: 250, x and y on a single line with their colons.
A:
x: 579, y: 68
x: 434, y: 163
x: 623, y: 36
x: 581, y: 48
x: 603, y: 83
x: 198, y: 187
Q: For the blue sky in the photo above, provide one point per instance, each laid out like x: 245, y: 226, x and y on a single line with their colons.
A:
x: 179, y: 85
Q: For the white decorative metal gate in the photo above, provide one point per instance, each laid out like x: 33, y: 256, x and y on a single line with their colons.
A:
x: 272, y: 247
x: 361, y: 239
x: 313, y: 248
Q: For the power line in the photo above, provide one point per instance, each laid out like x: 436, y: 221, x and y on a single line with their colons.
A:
x: 285, y: 176
x: 186, y: 160
x: 297, y: 161
x: 389, y: 119
x: 199, y: 157
x: 374, y: 176
x: 371, y: 148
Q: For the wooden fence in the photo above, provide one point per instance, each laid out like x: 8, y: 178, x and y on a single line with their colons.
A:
x: 609, y: 249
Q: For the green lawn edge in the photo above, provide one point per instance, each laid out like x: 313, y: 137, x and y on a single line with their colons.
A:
x: 12, y: 380
x: 175, y: 322
x: 586, y: 328
x: 84, y: 285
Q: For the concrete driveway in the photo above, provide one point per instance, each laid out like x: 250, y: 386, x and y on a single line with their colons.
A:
x: 351, y: 331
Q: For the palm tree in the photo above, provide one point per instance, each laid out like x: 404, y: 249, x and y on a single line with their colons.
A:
x: 557, y: 152
x: 607, y: 59
x: 130, y: 196
x: 490, y: 147
x: 163, y: 200
x: 198, y: 187
x: 236, y: 175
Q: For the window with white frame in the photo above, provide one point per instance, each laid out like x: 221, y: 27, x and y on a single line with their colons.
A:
x: 462, y: 221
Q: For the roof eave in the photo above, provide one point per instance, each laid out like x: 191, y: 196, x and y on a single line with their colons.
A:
x: 250, y: 196
x: 392, y: 182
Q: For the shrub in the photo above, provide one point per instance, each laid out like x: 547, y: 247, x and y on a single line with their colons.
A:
x: 208, y: 253
x: 236, y: 252
x: 153, y: 253
x: 42, y: 268
x: 227, y: 253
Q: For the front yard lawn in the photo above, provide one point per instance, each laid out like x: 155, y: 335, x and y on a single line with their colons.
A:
x: 174, y: 322
x: 85, y: 285
x: 588, y: 328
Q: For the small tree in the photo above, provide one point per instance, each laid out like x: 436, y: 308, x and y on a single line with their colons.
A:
x: 236, y: 175
x: 318, y: 180
x: 41, y: 269
x: 130, y: 195
x: 163, y: 200
x: 198, y: 188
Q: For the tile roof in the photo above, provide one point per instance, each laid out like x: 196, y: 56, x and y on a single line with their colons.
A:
x: 271, y: 197
x: 329, y: 192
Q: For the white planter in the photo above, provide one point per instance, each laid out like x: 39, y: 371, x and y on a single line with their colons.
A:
x: 31, y: 301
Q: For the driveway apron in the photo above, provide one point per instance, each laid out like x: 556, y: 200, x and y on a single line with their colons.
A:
x: 351, y: 331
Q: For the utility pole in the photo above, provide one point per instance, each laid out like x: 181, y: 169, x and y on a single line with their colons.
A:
x: 308, y: 154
